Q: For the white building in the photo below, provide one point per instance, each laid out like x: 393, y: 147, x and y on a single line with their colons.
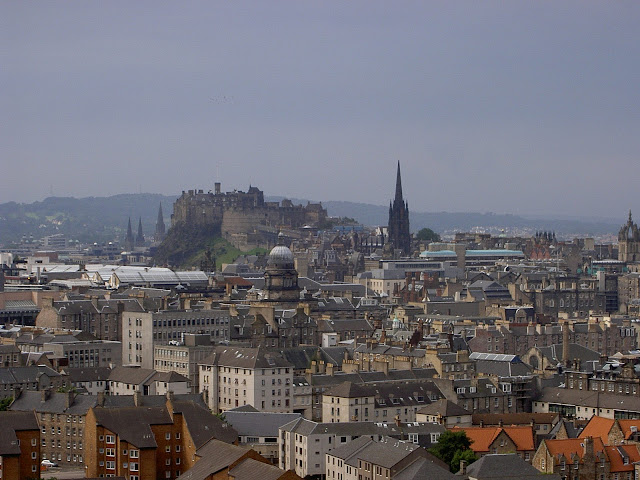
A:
x: 234, y: 376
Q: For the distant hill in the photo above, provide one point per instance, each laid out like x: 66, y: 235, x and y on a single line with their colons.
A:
x: 85, y: 219
x: 105, y: 218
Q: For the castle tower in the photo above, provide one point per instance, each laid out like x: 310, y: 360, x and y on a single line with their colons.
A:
x: 399, y: 235
x: 629, y: 242
x: 140, y: 236
x: 160, y: 229
x: 129, y: 240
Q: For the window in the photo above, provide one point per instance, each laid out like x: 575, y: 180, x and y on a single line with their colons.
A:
x: 111, y: 465
x: 133, y: 466
x: 110, y: 439
x: 134, y: 453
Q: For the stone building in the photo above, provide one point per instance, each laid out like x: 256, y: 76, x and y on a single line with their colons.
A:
x: 629, y: 242
x: 234, y: 376
x: 399, y: 236
x: 280, y: 276
x: 98, y: 316
x: 243, y: 217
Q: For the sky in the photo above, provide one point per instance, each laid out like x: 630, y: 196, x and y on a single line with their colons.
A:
x: 524, y: 107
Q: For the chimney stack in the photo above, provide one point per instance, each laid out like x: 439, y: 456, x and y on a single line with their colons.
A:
x: 137, y: 398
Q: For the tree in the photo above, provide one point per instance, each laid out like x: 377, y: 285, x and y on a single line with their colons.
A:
x: 467, y: 455
x: 5, y: 402
x: 428, y: 235
x: 453, y: 446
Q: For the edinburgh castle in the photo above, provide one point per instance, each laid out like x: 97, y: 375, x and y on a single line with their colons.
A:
x: 244, y: 219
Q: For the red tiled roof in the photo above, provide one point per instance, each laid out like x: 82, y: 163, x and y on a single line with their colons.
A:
x: 570, y: 446
x: 482, y: 437
x: 617, y: 457
x: 626, y: 425
x: 598, y: 427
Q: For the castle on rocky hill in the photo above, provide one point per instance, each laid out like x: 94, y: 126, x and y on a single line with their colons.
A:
x: 244, y: 218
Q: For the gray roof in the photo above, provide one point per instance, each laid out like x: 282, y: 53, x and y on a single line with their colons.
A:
x: 31, y: 374
x: 11, y: 423
x: 444, y: 408
x: 244, y: 357
x: 505, y: 467
x: 386, y: 453
x: 131, y: 375
x: 259, y: 424
x: 424, y: 468
x: 250, y: 469
x: 214, y: 456
x: 88, y: 374
x: 594, y: 399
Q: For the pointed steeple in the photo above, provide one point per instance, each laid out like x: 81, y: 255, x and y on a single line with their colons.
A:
x: 140, y: 236
x: 398, y: 197
x: 398, y: 225
x: 129, y: 239
x: 160, y: 228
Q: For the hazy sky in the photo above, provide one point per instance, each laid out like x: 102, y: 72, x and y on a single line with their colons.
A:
x: 525, y: 107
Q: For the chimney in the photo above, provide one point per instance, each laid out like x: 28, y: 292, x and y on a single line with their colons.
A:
x: 588, y: 447
x: 463, y: 467
x: 481, y: 423
x: 100, y: 399
x: 170, y: 396
x: 500, y: 423
x: 68, y: 399
x: 216, y: 186
x: 330, y: 369
x: 565, y: 344
x: 137, y: 398
x: 45, y: 394
x: 397, y: 420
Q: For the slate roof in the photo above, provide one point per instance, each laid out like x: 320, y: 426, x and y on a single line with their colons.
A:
x: 214, y: 456
x: 387, y: 452
x: 259, y: 424
x: 349, y: 450
x: 505, y: 467
x: 133, y: 424
x: 444, y: 408
x: 245, y: 357
x: 569, y: 396
x: 422, y: 469
x: 250, y: 469
x: 203, y: 426
x: 88, y: 374
x: 131, y: 375
x: 31, y: 374
x: 12, y: 422
x: 514, y: 418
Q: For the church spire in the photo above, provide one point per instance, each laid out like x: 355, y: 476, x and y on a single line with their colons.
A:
x: 398, y: 226
x: 129, y: 239
x: 398, y: 197
x: 140, y: 236
x: 160, y: 227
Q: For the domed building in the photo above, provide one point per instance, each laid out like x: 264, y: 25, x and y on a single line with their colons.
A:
x: 281, y: 276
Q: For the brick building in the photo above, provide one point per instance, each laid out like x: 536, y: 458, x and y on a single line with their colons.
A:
x: 157, y: 442
x: 19, y: 446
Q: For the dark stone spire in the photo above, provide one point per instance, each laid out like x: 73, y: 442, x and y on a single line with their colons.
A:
x: 129, y: 241
x: 398, y: 197
x: 399, y: 235
x: 160, y: 228
x: 140, y: 236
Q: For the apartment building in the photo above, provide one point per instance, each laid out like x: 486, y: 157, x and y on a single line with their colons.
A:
x: 87, y: 354
x: 185, y: 358
x: 350, y: 402
x: 304, y: 444
x: 142, y: 330
x: 19, y: 446
x: 234, y: 376
x: 386, y: 459
x: 158, y: 442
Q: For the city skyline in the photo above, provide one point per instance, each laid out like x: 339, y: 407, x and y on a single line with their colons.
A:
x: 528, y: 109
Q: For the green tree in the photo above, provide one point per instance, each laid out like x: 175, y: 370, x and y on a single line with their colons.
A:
x: 428, y: 235
x: 466, y: 455
x: 452, y: 447
x: 5, y: 402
